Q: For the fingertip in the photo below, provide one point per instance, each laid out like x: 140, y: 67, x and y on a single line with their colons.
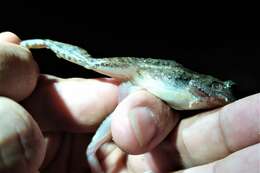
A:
x: 9, y: 37
x: 134, y: 129
x: 141, y: 122
x: 22, y: 143
x: 18, y: 71
x: 122, y: 132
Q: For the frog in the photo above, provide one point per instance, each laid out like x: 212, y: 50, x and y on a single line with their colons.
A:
x: 179, y: 87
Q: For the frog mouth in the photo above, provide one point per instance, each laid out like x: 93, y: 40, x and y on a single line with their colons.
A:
x: 211, y: 99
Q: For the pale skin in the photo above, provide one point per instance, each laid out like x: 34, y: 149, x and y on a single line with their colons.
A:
x: 56, y: 121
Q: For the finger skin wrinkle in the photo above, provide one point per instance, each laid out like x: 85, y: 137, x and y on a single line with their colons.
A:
x: 26, y: 136
x: 185, y: 154
x: 21, y: 153
x: 25, y: 139
x: 12, y: 154
x: 226, y: 144
x: 201, y: 139
x: 24, y: 149
x: 239, y: 123
x: 7, y: 161
x: 3, y: 162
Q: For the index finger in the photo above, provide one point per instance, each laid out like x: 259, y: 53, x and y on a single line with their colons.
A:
x: 72, y: 105
x: 213, y: 135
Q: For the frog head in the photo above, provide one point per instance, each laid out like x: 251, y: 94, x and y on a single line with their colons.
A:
x: 211, y: 91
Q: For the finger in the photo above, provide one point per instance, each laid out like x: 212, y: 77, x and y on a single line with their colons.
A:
x: 141, y: 121
x: 9, y: 37
x: 18, y: 70
x: 22, y: 145
x: 216, y: 134
x: 65, y: 153
x: 246, y: 160
x: 74, y: 105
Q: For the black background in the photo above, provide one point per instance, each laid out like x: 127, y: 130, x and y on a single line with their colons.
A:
x: 208, y: 46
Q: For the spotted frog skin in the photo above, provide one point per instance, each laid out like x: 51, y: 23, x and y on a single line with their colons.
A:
x: 179, y: 87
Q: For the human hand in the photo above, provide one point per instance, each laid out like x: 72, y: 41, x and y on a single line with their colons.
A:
x: 61, y: 107
x: 222, y: 140
x: 46, y: 128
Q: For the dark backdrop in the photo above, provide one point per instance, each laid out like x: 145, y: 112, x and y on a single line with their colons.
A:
x: 206, y: 47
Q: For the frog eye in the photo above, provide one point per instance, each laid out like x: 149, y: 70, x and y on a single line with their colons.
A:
x: 217, y: 86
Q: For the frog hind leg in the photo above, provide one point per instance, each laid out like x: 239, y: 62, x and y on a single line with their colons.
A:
x: 102, y: 135
x: 65, y: 51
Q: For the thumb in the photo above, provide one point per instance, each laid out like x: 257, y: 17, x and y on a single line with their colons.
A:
x: 141, y: 121
x: 22, y: 145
